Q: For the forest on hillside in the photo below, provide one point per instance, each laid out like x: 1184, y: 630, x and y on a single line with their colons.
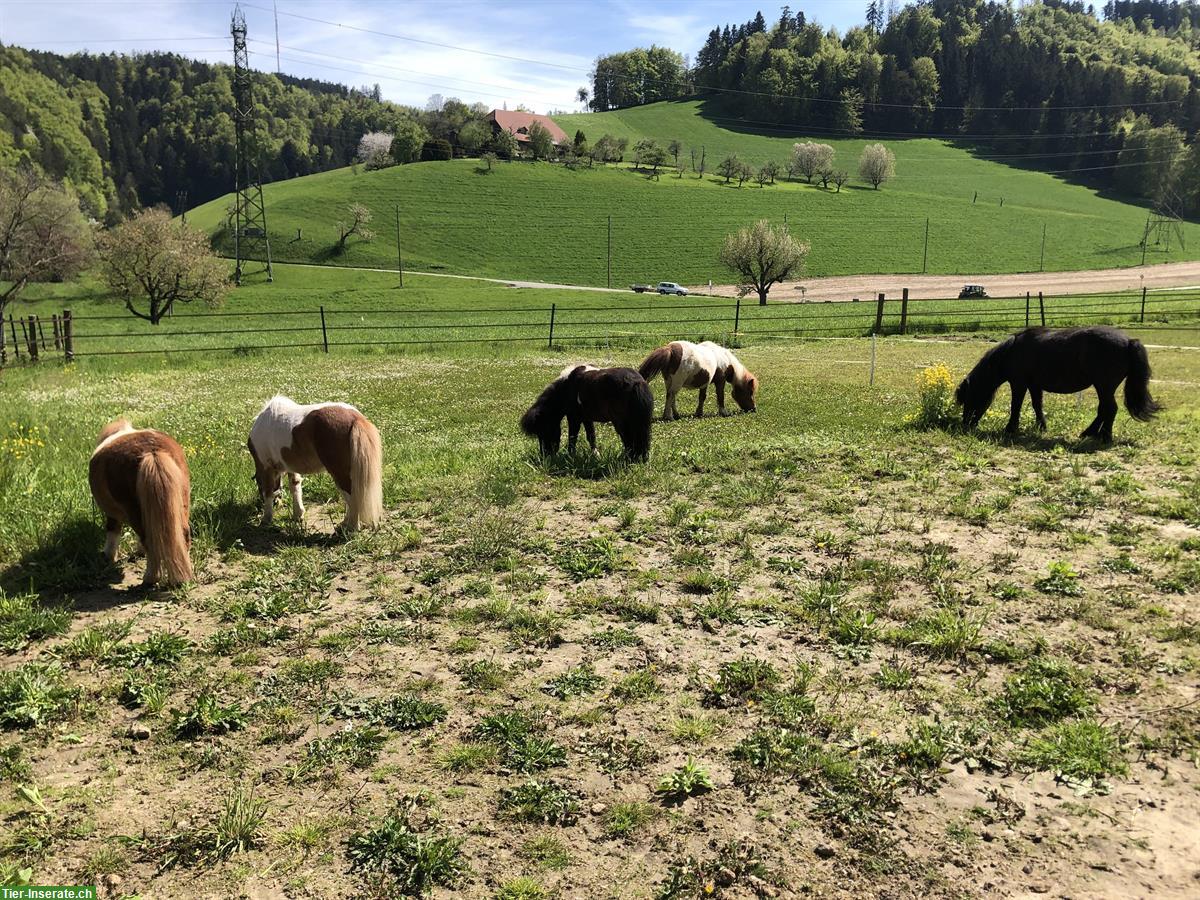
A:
x: 130, y: 131
x: 1110, y: 95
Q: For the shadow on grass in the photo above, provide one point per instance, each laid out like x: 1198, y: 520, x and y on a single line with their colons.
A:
x: 68, y: 558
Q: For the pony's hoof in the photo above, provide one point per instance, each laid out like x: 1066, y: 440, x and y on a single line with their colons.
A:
x: 725, y: 414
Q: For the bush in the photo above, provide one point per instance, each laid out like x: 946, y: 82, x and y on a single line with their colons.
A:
x: 935, y: 390
x: 436, y: 150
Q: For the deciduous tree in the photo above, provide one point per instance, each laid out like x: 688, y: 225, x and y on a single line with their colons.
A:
x: 154, y: 262
x: 876, y: 165
x: 763, y: 255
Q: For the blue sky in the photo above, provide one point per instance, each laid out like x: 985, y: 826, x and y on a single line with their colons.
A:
x: 563, y: 37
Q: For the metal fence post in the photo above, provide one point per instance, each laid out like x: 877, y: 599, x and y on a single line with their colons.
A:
x: 1143, y: 319
x: 1042, y: 308
x: 68, y: 335
x: 904, y: 311
x: 324, y: 331
x: 550, y: 342
x: 879, y: 315
x: 737, y: 315
x: 1027, y: 309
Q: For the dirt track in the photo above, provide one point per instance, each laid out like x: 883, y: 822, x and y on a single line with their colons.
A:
x: 1166, y: 275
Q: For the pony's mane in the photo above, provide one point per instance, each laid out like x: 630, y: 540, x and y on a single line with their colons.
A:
x: 984, y: 379
x: 550, y: 406
x: 113, y: 429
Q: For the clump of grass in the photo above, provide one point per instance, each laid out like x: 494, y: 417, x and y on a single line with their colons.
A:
x: 590, y: 558
x: 523, y: 888
x: 1044, y: 691
x: 546, y: 851
x: 640, y: 685
x: 615, y: 753
x: 895, y: 676
x: 411, y: 862
x: 736, y: 864
x: 694, y: 727
x: 235, y: 829
x: 688, y: 780
x: 520, y: 745
x: 351, y: 748
x: 1061, y: 579
x: 742, y: 680
x: 623, y: 819
x: 469, y: 757
x: 206, y: 715
x: 142, y: 690
x: 483, y: 675
x: 24, y: 620
x: 33, y: 695
x: 944, y: 633
x: 94, y: 643
x: 576, y: 682
x: 1081, y: 751
x: 926, y: 748
x: 539, y: 801
x: 158, y: 649
x: 614, y: 638
x: 408, y: 712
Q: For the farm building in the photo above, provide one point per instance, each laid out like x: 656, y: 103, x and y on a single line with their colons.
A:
x: 518, y: 124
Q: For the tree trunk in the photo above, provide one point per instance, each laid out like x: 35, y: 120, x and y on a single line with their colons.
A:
x: 762, y: 296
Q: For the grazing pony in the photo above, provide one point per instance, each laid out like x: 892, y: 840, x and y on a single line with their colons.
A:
x: 1062, y: 361
x: 140, y: 478
x: 304, y: 440
x: 586, y: 395
x: 687, y: 365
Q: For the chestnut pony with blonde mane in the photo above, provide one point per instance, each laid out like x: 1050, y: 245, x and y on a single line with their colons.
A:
x: 687, y: 365
x: 323, y: 437
x: 140, y: 477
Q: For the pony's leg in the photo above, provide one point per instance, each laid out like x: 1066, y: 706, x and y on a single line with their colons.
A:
x: 700, y: 405
x: 294, y: 482
x: 572, y: 433
x: 1093, y: 430
x: 350, y: 523
x: 669, y: 407
x: 1014, y: 418
x: 1035, y: 400
x: 720, y: 386
x: 589, y: 428
x: 112, y: 538
x: 152, y: 570
x: 268, y: 500
x: 1107, y: 415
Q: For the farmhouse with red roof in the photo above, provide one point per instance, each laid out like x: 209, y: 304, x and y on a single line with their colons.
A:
x: 517, y: 123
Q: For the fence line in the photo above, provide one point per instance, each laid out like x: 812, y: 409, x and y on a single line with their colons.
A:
x: 26, y: 336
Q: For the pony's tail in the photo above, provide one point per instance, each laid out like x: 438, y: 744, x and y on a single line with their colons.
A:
x: 1137, y: 384
x: 656, y: 362
x: 364, y: 509
x: 637, y: 426
x: 162, y: 493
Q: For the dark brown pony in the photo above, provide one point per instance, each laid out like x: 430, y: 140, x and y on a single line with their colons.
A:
x: 585, y: 395
x: 140, y: 478
x: 1062, y: 361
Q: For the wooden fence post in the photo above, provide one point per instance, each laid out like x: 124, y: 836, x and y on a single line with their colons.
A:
x: 1042, y: 308
x: 550, y: 343
x: 57, y: 331
x: 324, y: 332
x: 12, y: 326
x: 68, y: 335
x: 41, y: 332
x: 904, y: 311
x: 31, y: 338
x: 879, y: 315
x: 1143, y: 319
x: 3, y: 346
x: 1027, y: 309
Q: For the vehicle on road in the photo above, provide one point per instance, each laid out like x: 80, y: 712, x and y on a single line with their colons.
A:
x: 972, y: 291
x: 670, y: 287
x: 640, y: 288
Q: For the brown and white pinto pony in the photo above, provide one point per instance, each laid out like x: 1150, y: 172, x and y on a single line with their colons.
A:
x: 687, y: 365
x: 323, y: 437
x: 140, y: 478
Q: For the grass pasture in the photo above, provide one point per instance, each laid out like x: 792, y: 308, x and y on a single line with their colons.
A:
x: 808, y: 651
x: 538, y: 221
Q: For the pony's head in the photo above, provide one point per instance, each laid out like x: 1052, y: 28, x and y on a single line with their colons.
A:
x: 265, y: 477
x: 973, y: 404
x: 112, y: 429
x: 543, y: 420
x: 744, y: 389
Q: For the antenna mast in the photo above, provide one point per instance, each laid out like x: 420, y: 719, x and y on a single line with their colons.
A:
x: 275, y: 9
x: 249, y: 212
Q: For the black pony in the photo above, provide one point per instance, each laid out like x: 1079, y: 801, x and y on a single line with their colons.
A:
x: 586, y: 395
x: 1062, y: 361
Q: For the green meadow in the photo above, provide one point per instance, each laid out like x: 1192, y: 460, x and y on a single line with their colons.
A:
x: 541, y: 221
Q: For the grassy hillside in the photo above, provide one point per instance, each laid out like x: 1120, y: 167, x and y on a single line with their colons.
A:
x: 542, y: 221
